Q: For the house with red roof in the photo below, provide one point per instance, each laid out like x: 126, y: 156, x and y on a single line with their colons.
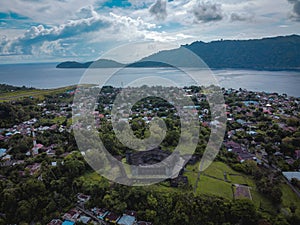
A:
x: 112, y: 218
x: 36, y: 148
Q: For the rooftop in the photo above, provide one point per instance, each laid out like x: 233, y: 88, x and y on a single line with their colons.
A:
x: 112, y: 217
x: 126, y: 220
x: 291, y: 175
x: 66, y: 222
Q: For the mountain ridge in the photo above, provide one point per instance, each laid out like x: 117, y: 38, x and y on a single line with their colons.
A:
x: 270, y: 53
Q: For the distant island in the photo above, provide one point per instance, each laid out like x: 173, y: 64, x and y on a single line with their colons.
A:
x: 103, y: 63
x: 275, y: 53
x: 106, y: 63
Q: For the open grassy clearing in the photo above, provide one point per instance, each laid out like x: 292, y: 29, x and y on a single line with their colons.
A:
x: 57, y: 120
x: 289, y: 197
x: 92, y: 177
x: 37, y: 93
x: 208, y: 185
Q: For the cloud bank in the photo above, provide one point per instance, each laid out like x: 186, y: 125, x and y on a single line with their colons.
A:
x: 42, y: 29
x: 88, y: 21
x: 39, y: 34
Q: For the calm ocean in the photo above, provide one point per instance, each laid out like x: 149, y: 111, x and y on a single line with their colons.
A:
x: 47, y: 76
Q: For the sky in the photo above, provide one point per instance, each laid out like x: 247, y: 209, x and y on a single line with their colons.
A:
x: 60, y: 30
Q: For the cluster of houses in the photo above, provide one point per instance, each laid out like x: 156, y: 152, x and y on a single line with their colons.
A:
x: 147, y: 111
x: 27, y: 129
x: 30, y: 129
x: 272, y: 106
x: 241, y: 151
x: 96, y: 215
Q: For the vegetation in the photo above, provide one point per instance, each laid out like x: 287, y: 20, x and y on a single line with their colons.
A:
x: 24, y: 93
x: 4, y: 88
x: 267, y: 54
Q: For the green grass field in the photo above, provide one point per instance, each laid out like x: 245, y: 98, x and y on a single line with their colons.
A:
x: 212, y: 180
x: 92, y: 177
x: 37, y: 93
x: 57, y: 120
x: 212, y: 186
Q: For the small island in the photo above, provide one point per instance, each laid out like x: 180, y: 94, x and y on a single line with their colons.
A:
x: 106, y: 63
x: 102, y: 63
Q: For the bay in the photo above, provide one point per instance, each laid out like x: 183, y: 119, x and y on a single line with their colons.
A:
x: 47, y: 76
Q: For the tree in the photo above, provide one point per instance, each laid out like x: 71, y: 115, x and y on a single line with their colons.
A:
x: 293, y: 207
x: 276, y: 194
x: 292, y: 122
x: 152, y: 201
x: 150, y: 215
x: 243, y: 211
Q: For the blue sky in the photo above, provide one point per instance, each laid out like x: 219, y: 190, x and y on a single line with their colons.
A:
x: 58, y: 30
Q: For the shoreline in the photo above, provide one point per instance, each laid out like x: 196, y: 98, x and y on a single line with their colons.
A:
x: 40, y: 92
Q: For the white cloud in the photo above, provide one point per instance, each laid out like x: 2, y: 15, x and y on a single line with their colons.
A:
x: 37, y: 35
x: 88, y: 29
x: 241, y: 17
x: 86, y: 12
x: 130, y: 22
x: 137, y: 29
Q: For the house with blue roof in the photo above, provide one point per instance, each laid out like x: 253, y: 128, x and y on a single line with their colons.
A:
x: 100, y: 213
x: 85, y: 219
x: 67, y: 222
x: 2, y: 152
x: 126, y: 220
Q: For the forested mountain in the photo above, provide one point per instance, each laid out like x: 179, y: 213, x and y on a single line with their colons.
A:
x: 267, y: 53
x: 275, y: 53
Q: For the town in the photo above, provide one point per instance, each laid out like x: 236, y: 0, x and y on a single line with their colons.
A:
x: 262, y: 137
